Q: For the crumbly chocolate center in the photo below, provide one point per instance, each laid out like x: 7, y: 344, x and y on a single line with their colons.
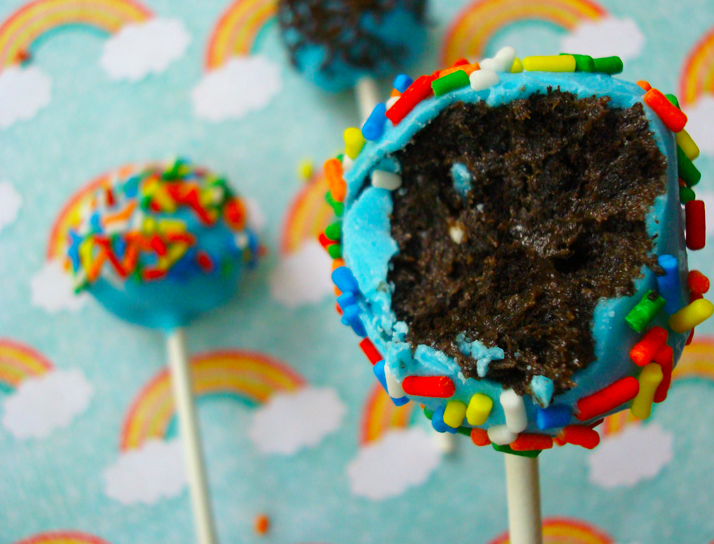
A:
x: 335, y: 25
x: 553, y: 221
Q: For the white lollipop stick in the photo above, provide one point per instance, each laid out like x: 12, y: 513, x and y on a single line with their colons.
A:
x: 523, y: 489
x: 367, y: 96
x: 190, y: 437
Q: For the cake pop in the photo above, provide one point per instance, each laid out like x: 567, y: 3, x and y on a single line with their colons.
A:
x: 511, y: 247
x: 158, y: 249
x: 335, y: 43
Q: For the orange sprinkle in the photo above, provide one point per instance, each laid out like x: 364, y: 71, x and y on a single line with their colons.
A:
x: 530, y: 442
x: 673, y: 118
x: 394, y: 93
x: 644, y: 84
x: 468, y: 68
x: 96, y: 266
x: 333, y: 173
x: 121, y: 215
x: 480, y: 437
x: 261, y: 524
x: 338, y: 263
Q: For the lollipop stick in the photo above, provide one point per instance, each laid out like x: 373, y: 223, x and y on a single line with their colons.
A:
x: 523, y: 500
x: 190, y: 437
x: 367, y: 96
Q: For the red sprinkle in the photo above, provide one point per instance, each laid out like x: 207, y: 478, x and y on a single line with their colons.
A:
x: 673, y: 118
x: 579, y: 436
x: 696, y: 224
x: 370, y: 351
x: 530, y: 442
x: 109, y: 195
x: 607, y: 399
x: 460, y: 62
x: 480, y: 437
x: 337, y: 307
x: 234, y: 213
x: 644, y: 351
x: 157, y: 244
x: 417, y: 91
x: 429, y: 386
x: 149, y: 274
x: 665, y: 359
x: 691, y: 337
x: 204, y: 261
x: 697, y: 282
x: 325, y: 242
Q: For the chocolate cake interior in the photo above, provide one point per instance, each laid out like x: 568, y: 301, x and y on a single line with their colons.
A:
x: 554, y: 220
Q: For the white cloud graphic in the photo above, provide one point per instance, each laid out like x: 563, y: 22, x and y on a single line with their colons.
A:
x: 23, y: 92
x: 256, y: 216
x: 242, y: 85
x: 636, y: 454
x: 605, y: 37
x: 45, y: 403
x: 289, y: 422
x: 147, y: 474
x: 303, y: 277
x: 52, y: 289
x: 140, y: 49
x: 401, y: 459
x: 700, y: 119
x: 10, y: 204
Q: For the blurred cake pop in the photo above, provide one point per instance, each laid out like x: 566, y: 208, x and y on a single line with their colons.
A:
x: 334, y: 43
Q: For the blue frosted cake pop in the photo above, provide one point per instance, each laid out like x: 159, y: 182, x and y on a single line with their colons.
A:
x: 511, y: 248
x: 334, y: 43
x: 162, y: 246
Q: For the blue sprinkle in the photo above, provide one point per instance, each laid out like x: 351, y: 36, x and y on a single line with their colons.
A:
x: 462, y: 178
x: 344, y: 280
x: 668, y: 285
x: 402, y: 82
x: 542, y: 389
x: 378, y: 370
x: 73, y: 249
x: 346, y: 299
x: 350, y: 317
x: 437, y: 421
x: 554, y: 417
x: 373, y: 127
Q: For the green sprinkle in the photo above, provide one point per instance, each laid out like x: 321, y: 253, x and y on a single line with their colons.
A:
x: 687, y: 171
x: 335, y: 251
x: 644, y: 311
x: 608, y: 65
x: 583, y: 63
x: 450, y: 82
x: 673, y: 100
x: 337, y: 207
x: 466, y: 431
x: 508, y: 449
x: 334, y: 231
x: 686, y: 194
x: 145, y: 202
x: 428, y: 413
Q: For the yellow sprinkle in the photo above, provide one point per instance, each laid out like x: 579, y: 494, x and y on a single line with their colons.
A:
x: 478, y: 410
x: 149, y: 225
x: 175, y: 252
x: 690, y: 148
x: 650, y: 378
x: 85, y: 253
x: 304, y: 169
x: 454, y: 413
x: 164, y: 200
x: 552, y: 63
x: 171, y: 226
x: 517, y: 67
x: 354, y: 142
x: 690, y: 316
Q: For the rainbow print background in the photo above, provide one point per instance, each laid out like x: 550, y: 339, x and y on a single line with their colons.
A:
x: 52, y: 490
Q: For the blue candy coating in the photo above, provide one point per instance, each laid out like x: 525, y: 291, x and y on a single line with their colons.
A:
x: 368, y: 248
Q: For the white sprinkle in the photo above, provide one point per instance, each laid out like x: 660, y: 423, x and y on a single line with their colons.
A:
x: 392, y: 101
x: 382, y: 179
x: 347, y: 163
x: 500, y: 435
x: 394, y: 387
x: 483, y: 79
x: 515, y: 410
x: 456, y: 233
x: 505, y: 58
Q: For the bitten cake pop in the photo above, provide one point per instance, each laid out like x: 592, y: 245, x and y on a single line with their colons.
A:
x: 334, y: 43
x: 163, y: 246
x: 158, y: 249
x: 511, y: 247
